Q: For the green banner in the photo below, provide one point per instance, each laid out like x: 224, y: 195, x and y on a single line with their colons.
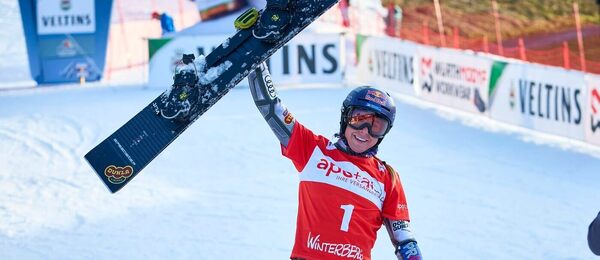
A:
x: 497, y: 70
x: 360, y: 39
x: 155, y: 44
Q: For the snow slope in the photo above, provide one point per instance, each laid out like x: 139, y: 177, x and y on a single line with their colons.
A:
x: 223, y: 191
x: 14, y: 66
x: 476, y: 189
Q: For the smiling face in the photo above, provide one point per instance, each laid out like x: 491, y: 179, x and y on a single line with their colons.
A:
x: 359, y: 140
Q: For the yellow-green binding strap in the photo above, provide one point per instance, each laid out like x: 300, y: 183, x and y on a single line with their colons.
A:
x: 247, y: 19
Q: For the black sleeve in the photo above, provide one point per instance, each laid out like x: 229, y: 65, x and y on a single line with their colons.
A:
x: 594, y: 235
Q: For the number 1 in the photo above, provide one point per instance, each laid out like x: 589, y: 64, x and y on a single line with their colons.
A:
x: 347, y: 216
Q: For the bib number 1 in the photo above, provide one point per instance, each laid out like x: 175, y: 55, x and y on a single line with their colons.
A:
x: 347, y: 216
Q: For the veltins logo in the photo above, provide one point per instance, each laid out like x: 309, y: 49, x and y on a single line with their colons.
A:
x: 65, y: 5
x: 118, y: 175
x: 547, y: 100
x: 595, y: 107
x: 391, y: 65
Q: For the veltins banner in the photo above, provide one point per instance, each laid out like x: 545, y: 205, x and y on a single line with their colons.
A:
x: 453, y: 78
x: 592, y: 117
x: 308, y: 58
x: 388, y: 63
x: 65, y: 17
x: 543, y: 98
x: 66, y: 39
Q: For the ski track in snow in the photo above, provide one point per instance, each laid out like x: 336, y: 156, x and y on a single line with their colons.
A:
x: 45, y: 184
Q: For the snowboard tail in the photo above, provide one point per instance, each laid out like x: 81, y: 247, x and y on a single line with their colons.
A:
x: 121, y: 156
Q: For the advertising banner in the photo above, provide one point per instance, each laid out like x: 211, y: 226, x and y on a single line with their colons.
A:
x: 65, y: 16
x: 592, y: 117
x: 543, y: 98
x: 388, y: 63
x: 453, y: 78
x: 308, y: 58
x: 66, y: 39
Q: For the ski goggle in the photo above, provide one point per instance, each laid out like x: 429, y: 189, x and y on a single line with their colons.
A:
x: 360, y: 118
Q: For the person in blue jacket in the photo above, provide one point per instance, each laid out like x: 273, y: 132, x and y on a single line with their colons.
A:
x: 166, y: 22
x: 594, y: 235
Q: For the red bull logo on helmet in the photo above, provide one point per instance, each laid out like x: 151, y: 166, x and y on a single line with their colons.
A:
x: 376, y: 96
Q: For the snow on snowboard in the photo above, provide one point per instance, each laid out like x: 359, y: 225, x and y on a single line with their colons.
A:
x: 199, y: 84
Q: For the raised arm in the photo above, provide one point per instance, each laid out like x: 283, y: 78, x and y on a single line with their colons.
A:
x: 269, y: 105
x: 403, y: 239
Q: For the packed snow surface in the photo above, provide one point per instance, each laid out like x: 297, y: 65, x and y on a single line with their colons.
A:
x: 476, y: 189
x: 223, y: 191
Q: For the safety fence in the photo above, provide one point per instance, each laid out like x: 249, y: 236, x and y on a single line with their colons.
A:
x: 379, y: 22
x: 132, y: 27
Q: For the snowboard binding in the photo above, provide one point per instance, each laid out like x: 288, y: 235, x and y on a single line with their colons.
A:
x: 177, y: 102
x: 247, y: 19
x: 273, y: 21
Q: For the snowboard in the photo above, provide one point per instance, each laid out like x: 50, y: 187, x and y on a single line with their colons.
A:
x: 121, y: 156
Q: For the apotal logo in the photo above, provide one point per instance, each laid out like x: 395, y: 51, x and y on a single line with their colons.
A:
x: 345, y: 175
x: 330, y: 167
x: 353, y: 179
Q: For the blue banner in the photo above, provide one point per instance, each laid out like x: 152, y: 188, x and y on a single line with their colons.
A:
x: 66, y: 39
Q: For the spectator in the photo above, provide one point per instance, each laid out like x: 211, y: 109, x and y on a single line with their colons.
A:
x: 344, y: 5
x: 394, y: 19
x: 166, y: 22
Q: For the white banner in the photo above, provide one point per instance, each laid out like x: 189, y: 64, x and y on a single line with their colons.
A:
x: 65, y: 16
x: 453, y: 78
x: 543, y: 98
x: 307, y: 58
x: 388, y: 63
x: 592, y: 117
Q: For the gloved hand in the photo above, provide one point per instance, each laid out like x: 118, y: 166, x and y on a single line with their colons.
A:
x: 408, y: 250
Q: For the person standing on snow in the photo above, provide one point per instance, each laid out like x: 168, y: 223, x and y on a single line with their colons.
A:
x: 594, y: 235
x: 345, y: 192
x: 166, y: 22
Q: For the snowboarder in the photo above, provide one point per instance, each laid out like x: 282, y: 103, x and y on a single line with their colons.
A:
x: 594, y: 235
x: 166, y: 22
x: 345, y: 192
